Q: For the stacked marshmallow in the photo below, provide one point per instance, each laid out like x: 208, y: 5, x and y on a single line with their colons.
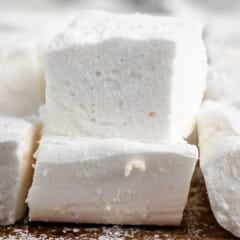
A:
x: 123, y: 91
x: 218, y: 122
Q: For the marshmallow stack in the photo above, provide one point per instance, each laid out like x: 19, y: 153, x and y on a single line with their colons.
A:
x: 123, y: 91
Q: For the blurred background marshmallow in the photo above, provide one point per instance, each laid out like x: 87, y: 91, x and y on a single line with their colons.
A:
x: 28, y: 26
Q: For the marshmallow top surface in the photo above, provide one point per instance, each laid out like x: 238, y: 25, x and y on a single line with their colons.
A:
x: 13, y: 129
x: 95, y: 148
x: 92, y: 27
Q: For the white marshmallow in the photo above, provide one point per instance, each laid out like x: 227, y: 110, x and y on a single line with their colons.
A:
x: 16, y: 149
x: 216, y: 117
x: 129, y: 76
x: 223, y: 83
x: 89, y: 180
x: 22, y: 85
x: 223, y: 39
x: 219, y: 141
x: 41, y: 26
x: 24, y: 38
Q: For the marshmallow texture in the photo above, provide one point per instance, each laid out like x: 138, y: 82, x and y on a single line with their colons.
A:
x: 223, y: 83
x: 219, y: 142
x: 110, y: 181
x: 16, y: 148
x: 137, y: 77
x: 223, y: 39
x: 217, y: 117
x: 22, y: 85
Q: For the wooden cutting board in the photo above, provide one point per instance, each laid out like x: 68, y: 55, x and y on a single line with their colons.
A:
x: 198, y: 223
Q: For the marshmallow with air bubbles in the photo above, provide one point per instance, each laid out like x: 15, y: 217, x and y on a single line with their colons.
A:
x: 136, y: 77
x: 111, y: 181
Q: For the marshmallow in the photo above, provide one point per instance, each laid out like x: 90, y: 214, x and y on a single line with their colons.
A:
x: 41, y: 26
x: 112, y: 181
x: 137, y: 77
x: 223, y: 39
x: 22, y: 85
x: 16, y: 148
x: 217, y: 117
x: 219, y: 142
x: 24, y: 38
x: 223, y: 83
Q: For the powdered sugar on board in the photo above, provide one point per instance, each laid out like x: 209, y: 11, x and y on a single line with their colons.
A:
x: 198, y: 223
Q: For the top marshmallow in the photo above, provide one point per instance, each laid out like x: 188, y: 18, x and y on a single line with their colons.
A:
x: 137, y: 77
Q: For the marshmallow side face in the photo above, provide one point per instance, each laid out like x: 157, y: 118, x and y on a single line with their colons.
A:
x: 113, y: 181
x: 219, y: 161
x: 188, y: 85
x: 16, y: 147
x: 218, y: 128
x: 22, y: 85
x: 125, y: 80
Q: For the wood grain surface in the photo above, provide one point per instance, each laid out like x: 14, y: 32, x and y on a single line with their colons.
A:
x: 198, y: 223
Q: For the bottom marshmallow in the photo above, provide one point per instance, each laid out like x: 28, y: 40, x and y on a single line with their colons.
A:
x: 111, y: 181
x: 16, y: 150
